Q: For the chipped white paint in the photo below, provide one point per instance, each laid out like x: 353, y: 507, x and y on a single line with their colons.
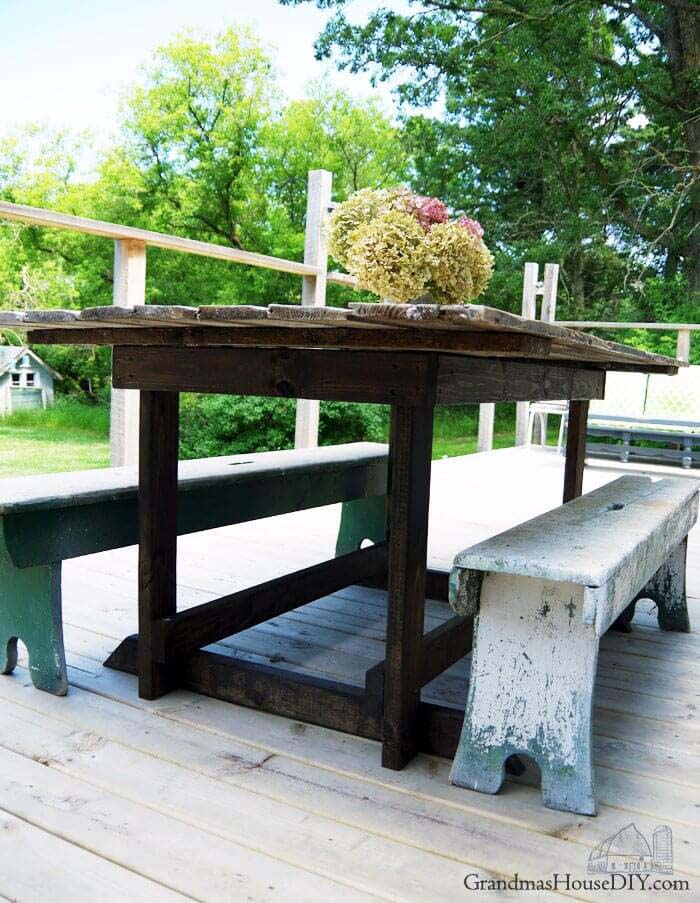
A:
x: 543, y: 594
x: 532, y: 674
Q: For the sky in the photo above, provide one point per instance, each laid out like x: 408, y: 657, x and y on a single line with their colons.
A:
x: 64, y: 64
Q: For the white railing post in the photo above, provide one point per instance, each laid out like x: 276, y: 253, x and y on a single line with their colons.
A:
x: 529, y: 310
x: 548, y: 314
x: 313, y: 292
x: 683, y: 345
x: 129, y: 289
x: 487, y: 412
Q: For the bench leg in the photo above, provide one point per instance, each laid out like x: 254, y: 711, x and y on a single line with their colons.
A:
x: 667, y: 589
x: 30, y: 610
x: 361, y: 519
x: 531, y: 691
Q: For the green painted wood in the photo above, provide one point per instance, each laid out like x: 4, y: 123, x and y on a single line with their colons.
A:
x: 30, y: 610
x: 53, y: 517
x: 44, y: 520
x: 360, y: 520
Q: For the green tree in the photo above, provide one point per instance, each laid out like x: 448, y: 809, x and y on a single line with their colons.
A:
x: 573, y: 123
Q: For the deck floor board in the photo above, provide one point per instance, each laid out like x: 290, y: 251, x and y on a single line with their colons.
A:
x: 190, y: 797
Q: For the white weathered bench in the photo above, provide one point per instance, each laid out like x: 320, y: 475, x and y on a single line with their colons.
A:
x: 543, y: 594
x: 47, y: 519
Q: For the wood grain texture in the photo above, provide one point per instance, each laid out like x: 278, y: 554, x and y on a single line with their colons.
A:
x: 315, y: 314
x: 464, y: 322
x: 410, y: 448
x: 269, y: 333
x: 575, y: 450
x: 165, y: 313
x: 463, y: 380
x: 331, y: 375
x: 238, y: 313
x: 157, y: 531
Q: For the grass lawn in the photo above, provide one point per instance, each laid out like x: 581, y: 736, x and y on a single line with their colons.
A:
x: 73, y: 435
x: 69, y: 436
x: 450, y: 446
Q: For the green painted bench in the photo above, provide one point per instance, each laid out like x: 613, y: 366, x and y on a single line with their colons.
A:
x: 47, y: 519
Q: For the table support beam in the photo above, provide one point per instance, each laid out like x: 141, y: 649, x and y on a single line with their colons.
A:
x: 410, y: 453
x: 305, y: 697
x: 209, y: 622
x: 575, y: 450
x: 158, y: 458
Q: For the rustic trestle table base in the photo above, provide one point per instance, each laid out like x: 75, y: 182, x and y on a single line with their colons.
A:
x: 389, y: 707
x: 162, y: 361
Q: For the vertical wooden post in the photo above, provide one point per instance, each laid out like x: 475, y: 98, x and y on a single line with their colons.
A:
x: 683, y: 345
x: 313, y: 290
x: 548, y: 314
x: 129, y: 289
x: 487, y: 412
x: 157, y: 532
x: 409, y: 496
x: 549, y: 292
x: 529, y: 310
x: 575, y: 450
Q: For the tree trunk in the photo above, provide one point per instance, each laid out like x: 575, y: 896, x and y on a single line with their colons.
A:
x: 682, y: 41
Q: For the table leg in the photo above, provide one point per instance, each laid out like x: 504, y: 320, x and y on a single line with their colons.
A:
x: 158, y: 449
x: 409, y: 475
x: 575, y: 450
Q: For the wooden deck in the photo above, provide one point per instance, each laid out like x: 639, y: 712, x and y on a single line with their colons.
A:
x: 105, y: 796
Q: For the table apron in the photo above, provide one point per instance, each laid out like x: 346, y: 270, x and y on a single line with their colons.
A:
x: 380, y: 377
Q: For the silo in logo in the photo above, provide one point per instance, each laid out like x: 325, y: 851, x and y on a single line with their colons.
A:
x: 662, y: 845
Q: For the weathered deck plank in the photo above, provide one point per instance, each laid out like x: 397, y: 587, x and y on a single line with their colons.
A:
x: 217, y: 775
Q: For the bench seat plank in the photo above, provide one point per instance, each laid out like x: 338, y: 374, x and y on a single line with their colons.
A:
x: 588, y: 540
x: 55, y: 517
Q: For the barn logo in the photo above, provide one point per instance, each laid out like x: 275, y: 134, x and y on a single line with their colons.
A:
x: 628, y: 852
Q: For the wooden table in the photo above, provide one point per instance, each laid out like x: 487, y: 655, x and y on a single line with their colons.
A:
x: 358, y: 356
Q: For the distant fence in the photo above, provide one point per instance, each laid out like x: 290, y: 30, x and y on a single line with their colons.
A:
x: 130, y: 288
x: 532, y: 288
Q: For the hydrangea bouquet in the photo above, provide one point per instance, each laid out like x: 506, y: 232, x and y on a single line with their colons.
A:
x: 403, y: 247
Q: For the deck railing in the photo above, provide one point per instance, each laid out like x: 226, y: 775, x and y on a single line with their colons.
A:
x: 129, y: 287
x: 683, y: 339
x: 532, y: 287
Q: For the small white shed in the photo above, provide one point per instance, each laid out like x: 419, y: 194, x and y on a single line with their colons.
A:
x: 25, y: 380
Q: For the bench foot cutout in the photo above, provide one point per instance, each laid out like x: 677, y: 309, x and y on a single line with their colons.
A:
x: 531, y: 691
x: 30, y: 610
x: 667, y: 589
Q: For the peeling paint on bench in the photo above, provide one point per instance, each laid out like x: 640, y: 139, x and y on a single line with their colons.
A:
x: 543, y: 594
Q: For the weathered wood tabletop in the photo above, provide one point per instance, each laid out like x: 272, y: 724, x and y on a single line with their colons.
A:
x: 410, y: 357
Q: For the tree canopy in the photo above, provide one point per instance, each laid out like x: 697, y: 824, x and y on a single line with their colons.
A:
x: 571, y: 126
x: 210, y: 149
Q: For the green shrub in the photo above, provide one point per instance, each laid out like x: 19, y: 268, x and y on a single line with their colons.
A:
x: 225, y: 425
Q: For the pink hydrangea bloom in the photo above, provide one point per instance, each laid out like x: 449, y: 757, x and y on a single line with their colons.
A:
x: 427, y: 211
x: 472, y: 226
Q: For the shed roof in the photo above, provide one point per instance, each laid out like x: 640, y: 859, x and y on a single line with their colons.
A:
x: 10, y: 353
